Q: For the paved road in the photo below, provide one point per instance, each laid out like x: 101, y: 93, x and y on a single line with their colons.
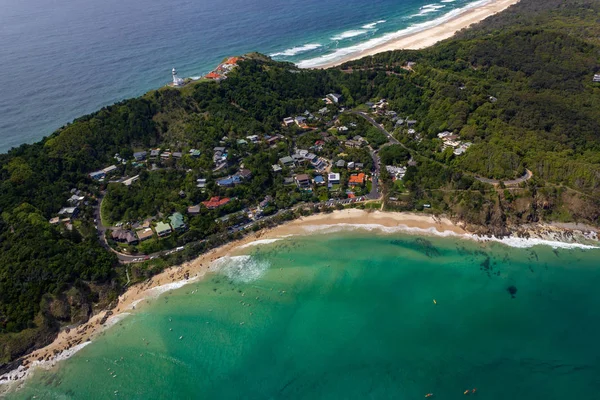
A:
x: 513, y: 182
x: 380, y: 127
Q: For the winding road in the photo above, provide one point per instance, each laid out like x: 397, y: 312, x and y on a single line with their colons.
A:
x: 513, y: 182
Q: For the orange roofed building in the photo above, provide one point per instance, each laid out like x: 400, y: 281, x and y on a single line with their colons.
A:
x: 232, y: 60
x: 215, y: 202
x: 214, y: 75
x: 356, y: 179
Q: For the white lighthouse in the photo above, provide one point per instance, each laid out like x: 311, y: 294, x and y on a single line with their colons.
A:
x: 176, y: 80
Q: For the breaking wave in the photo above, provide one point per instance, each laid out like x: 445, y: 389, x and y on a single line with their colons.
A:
x: 341, y: 53
x: 511, y: 241
x: 297, y: 50
x: 241, y: 269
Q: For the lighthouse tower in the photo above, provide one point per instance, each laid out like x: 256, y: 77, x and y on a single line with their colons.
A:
x: 176, y: 80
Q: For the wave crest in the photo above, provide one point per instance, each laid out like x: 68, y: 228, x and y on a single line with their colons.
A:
x: 241, y: 269
x: 297, y: 50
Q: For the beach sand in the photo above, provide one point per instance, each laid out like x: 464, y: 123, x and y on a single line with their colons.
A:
x: 69, y: 341
x: 431, y: 36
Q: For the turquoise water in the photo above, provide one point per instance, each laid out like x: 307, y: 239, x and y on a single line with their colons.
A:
x: 62, y: 59
x: 352, y: 316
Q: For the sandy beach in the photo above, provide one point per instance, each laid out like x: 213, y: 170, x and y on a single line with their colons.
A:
x: 71, y: 340
x: 430, y: 36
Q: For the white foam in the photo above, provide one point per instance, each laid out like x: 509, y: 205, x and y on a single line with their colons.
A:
x: 259, y: 242
x: 115, y: 319
x: 297, y: 50
x: 242, y: 269
x: 448, y: 1
x: 511, y: 241
x: 369, y: 44
x: 21, y: 372
x: 349, y: 34
x: 373, y: 24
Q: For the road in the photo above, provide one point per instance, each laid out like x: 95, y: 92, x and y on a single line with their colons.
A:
x: 513, y: 182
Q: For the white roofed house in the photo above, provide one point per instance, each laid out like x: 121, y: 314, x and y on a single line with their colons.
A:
x: 333, y: 178
x: 288, y: 121
x: 335, y: 97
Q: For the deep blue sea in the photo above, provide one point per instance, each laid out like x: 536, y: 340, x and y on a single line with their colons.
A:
x: 60, y: 59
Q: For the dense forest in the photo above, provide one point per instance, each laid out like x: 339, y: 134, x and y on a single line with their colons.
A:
x: 518, y: 86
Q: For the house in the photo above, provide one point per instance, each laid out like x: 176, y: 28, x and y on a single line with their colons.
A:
x: 71, y: 211
x: 336, y: 98
x: 177, y: 223
x: 245, y: 174
x: 302, y: 181
x: 352, y: 144
x: 318, y: 164
x: 359, y: 165
x: 276, y: 168
x: 286, y: 161
x: 288, y: 181
x: 97, y: 175
x: 271, y: 140
x: 54, y: 221
x: 163, y: 229
x: 323, y: 111
x: 140, y: 155
x: 288, y: 121
x: 253, y: 138
x: 333, y: 178
x: 194, y: 210
x: 340, y: 164
x: 124, y: 236
x: 165, y: 155
x: 154, y: 153
x: 195, y: 153
x: 265, y: 202
x: 300, y: 120
x: 215, y: 202
x: 75, y: 199
x: 109, y: 169
x: 596, y: 78
x: 144, y: 234
x: 356, y: 179
x: 128, y: 182
x: 350, y: 165
x: 200, y: 183
x: 319, y: 180
x: 177, y: 154
x: 230, y: 181
x: 242, y: 142
x: 444, y: 134
x: 396, y: 172
x: 411, y: 122
x: 342, y: 129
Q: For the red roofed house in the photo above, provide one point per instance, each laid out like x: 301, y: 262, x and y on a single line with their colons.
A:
x: 215, y: 202
x: 356, y: 179
x: 232, y: 60
x: 213, y: 75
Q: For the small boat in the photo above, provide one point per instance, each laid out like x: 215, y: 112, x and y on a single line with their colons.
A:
x: 474, y: 390
x: 429, y: 395
x: 467, y: 391
x: 434, y: 302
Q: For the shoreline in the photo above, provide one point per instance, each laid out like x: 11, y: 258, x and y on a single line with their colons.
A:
x: 421, y: 38
x: 69, y: 341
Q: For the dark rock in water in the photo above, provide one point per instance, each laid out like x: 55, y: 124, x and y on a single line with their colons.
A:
x: 512, y: 289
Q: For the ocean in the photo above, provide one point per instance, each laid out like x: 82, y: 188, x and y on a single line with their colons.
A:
x: 356, y: 315
x: 61, y: 59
